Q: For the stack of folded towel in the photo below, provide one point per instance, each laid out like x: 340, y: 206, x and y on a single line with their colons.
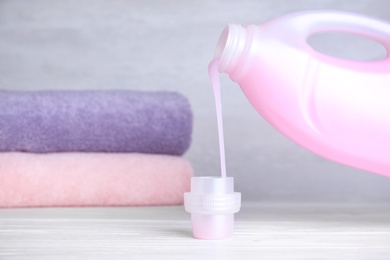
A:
x: 93, y: 148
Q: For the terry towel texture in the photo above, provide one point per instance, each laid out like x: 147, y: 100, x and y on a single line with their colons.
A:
x: 92, y: 179
x: 95, y: 121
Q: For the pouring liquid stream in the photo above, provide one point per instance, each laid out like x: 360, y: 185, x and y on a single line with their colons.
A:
x: 216, y: 84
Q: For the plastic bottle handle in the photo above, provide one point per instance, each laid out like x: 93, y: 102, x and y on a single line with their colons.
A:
x: 308, y: 23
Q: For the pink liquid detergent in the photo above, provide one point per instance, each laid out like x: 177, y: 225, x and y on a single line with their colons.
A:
x: 336, y: 108
x: 215, y: 83
x: 212, y: 201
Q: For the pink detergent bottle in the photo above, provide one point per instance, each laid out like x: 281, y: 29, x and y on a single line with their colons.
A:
x: 336, y: 108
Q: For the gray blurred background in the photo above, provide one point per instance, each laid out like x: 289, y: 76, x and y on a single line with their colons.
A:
x: 167, y: 45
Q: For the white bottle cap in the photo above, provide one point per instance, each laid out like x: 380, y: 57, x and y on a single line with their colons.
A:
x: 212, y: 203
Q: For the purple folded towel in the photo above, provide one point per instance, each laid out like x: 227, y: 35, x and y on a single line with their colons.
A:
x: 95, y: 121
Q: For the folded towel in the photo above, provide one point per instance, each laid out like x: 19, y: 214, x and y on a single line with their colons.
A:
x: 95, y: 121
x: 92, y: 179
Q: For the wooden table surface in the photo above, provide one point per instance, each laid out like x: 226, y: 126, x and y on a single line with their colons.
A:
x: 262, y: 231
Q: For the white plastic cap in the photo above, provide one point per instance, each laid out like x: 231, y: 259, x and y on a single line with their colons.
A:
x: 212, y: 203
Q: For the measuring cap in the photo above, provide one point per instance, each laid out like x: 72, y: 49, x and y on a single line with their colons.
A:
x: 212, y: 203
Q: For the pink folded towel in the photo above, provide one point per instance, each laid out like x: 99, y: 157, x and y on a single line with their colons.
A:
x: 92, y: 179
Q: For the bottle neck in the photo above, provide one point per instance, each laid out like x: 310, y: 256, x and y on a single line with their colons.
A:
x: 230, y: 47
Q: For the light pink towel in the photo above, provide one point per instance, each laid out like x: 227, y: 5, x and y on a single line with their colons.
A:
x: 92, y: 179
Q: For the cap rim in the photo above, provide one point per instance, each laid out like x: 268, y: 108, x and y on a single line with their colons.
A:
x: 212, y: 203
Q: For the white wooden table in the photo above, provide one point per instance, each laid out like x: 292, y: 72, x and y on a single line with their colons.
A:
x: 262, y: 232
